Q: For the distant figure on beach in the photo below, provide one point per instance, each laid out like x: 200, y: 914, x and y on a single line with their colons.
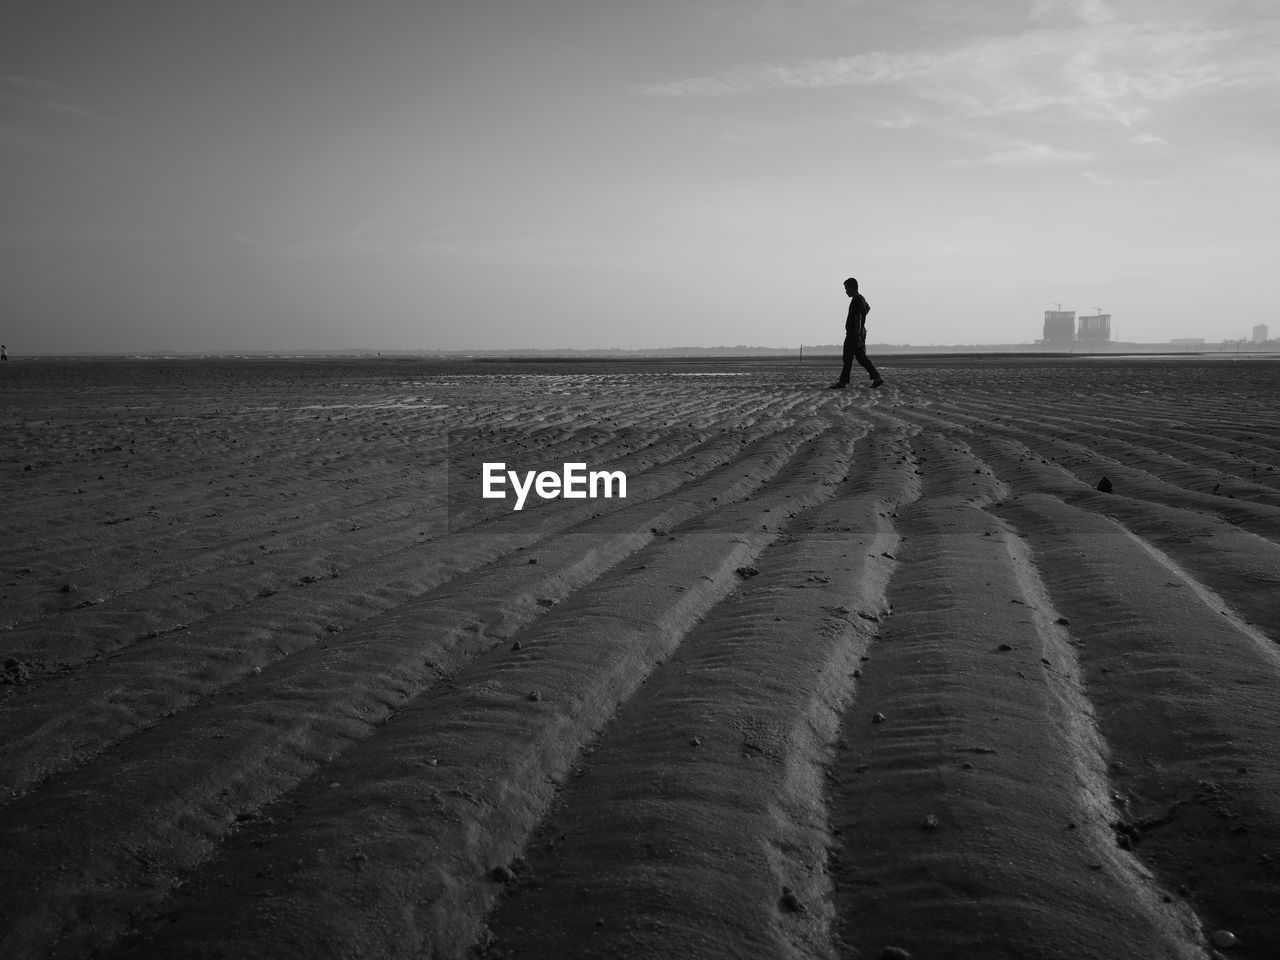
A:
x: 855, y: 338
x: 4, y: 354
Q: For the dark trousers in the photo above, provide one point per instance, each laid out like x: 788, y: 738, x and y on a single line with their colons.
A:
x: 855, y: 348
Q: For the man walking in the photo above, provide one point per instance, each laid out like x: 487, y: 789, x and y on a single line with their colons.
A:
x: 855, y: 338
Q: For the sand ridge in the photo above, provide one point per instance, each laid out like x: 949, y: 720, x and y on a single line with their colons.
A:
x: 847, y: 673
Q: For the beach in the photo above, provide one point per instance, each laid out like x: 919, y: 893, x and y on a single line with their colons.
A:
x: 982, y: 663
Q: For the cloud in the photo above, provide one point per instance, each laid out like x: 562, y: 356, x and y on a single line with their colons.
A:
x: 860, y: 70
x: 39, y: 117
x: 902, y: 121
x: 1094, y: 67
x: 1100, y: 180
x: 1025, y: 154
x: 1089, y: 11
x: 359, y: 238
x: 79, y: 112
x: 34, y: 92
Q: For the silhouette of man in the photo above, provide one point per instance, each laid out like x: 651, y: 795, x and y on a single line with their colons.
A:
x: 855, y: 338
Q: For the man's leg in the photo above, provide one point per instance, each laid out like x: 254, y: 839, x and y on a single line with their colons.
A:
x: 861, y: 354
x: 850, y: 349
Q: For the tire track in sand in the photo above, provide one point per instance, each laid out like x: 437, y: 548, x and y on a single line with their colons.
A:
x: 211, y: 581
x: 1170, y: 452
x: 1223, y: 542
x: 1185, y: 694
x: 70, y: 718
x: 695, y: 823
x: 252, y: 487
x: 972, y: 796
x: 452, y: 786
x: 258, y: 738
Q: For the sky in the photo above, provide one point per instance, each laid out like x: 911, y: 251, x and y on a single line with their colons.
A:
x: 388, y: 174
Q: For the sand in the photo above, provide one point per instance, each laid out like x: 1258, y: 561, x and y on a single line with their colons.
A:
x: 847, y: 674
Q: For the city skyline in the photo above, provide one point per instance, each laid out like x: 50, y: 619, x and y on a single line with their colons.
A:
x: 583, y: 175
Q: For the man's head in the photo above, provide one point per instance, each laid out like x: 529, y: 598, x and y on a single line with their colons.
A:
x: 851, y: 286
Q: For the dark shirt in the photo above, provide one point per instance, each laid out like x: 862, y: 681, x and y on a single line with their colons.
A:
x: 858, y: 310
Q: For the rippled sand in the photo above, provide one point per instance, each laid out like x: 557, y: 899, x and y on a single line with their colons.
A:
x: 846, y: 671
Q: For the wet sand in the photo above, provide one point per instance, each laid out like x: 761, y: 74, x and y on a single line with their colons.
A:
x: 847, y: 674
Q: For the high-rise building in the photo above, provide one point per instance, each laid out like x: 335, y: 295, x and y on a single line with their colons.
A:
x: 1095, y: 329
x: 1260, y: 333
x: 1059, y: 326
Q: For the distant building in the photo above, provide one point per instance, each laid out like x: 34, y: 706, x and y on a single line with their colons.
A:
x: 1095, y: 329
x: 1059, y: 326
x: 1260, y: 333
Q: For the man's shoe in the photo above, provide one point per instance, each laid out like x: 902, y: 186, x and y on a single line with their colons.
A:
x: 838, y: 385
x: 877, y: 382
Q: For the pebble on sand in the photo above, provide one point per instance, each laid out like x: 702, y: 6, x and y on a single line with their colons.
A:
x: 1104, y: 485
x: 1223, y: 938
x: 878, y: 718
